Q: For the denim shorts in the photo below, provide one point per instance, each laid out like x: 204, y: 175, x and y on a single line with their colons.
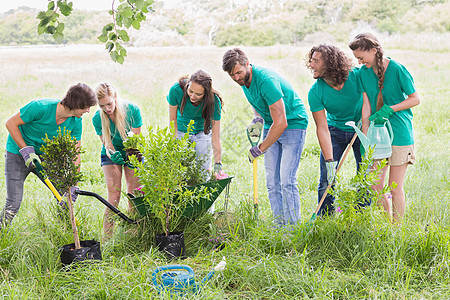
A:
x: 106, y: 161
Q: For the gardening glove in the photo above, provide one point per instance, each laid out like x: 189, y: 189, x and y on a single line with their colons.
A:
x: 117, y: 158
x: 331, y: 170
x: 29, y: 155
x: 254, y: 129
x: 382, y: 115
x: 254, y: 153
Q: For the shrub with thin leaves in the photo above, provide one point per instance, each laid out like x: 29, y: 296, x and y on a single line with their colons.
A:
x: 169, y: 165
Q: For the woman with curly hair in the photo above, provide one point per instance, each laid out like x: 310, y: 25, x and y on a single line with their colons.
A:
x: 389, y: 94
x: 335, y: 98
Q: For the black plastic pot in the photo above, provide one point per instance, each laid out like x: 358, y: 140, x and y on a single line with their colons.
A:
x: 172, y: 245
x: 90, y: 250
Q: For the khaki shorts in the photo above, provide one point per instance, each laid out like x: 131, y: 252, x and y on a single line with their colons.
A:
x: 402, y: 155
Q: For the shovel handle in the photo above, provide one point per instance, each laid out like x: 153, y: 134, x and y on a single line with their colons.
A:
x: 255, y: 187
x: 41, y: 172
x: 341, y: 162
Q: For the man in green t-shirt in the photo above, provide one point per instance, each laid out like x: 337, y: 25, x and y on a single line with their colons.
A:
x: 278, y: 106
x: 334, y: 99
x: 27, y: 129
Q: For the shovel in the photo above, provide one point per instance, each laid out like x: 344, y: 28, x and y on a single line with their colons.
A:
x: 254, y: 140
x: 349, y: 146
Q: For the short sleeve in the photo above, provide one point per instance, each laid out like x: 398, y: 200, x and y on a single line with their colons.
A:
x: 315, y: 102
x: 175, y: 95
x: 97, y: 122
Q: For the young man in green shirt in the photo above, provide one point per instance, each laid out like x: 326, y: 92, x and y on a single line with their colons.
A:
x: 335, y: 98
x: 28, y: 127
x: 278, y: 106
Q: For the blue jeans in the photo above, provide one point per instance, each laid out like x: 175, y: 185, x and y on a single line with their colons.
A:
x: 339, y: 140
x: 202, y: 147
x: 281, y: 161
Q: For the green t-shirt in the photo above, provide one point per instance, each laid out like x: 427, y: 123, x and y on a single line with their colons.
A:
x: 341, y: 106
x: 398, y: 84
x: 266, y: 88
x: 40, y: 120
x: 190, y: 112
x: 133, y: 119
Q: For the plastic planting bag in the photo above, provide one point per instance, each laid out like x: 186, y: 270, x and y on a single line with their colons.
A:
x: 172, y: 245
x: 90, y: 250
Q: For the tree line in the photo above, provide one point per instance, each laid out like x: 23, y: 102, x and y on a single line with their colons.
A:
x: 247, y: 22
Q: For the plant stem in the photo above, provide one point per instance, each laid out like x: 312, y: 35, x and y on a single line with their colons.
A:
x: 72, y: 220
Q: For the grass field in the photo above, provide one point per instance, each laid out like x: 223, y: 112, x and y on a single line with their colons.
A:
x: 341, y: 258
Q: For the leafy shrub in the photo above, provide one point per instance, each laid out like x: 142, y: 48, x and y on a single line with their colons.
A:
x: 169, y: 165
x: 59, y: 156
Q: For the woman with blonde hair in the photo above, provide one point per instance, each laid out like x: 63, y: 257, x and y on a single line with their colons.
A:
x: 389, y: 94
x: 113, y: 122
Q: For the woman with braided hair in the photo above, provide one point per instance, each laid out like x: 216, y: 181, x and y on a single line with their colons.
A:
x: 388, y: 94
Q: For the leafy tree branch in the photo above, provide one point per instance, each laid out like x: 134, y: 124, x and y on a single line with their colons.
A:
x: 129, y: 13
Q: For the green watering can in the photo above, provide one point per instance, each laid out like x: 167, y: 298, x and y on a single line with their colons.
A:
x: 379, y: 136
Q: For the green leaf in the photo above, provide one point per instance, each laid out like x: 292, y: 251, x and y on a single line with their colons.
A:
x: 112, y: 36
x: 109, y: 27
x: 60, y: 28
x: 124, y: 35
x: 120, y: 59
x: 50, y: 29
x: 102, y: 38
x: 123, y: 52
x: 140, y: 4
x: 59, y: 37
x: 113, y: 55
x: 127, y: 22
x: 136, y: 24
x: 51, y: 5
x: 44, y: 21
x: 127, y: 12
x: 109, y: 46
x: 41, y: 15
x: 65, y: 9
x: 40, y: 29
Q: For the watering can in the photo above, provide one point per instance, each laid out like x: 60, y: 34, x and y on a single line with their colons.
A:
x: 180, y: 279
x: 378, y: 135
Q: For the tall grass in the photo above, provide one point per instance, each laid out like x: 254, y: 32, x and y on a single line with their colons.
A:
x: 355, y: 257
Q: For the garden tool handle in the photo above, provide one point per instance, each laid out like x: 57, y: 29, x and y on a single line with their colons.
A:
x: 255, y: 183
x: 253, y: 142
x: 341, y: 162
x: 40, y: 170
x: 107, y: 204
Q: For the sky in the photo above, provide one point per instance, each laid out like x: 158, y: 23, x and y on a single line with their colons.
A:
x: 6, y: 5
